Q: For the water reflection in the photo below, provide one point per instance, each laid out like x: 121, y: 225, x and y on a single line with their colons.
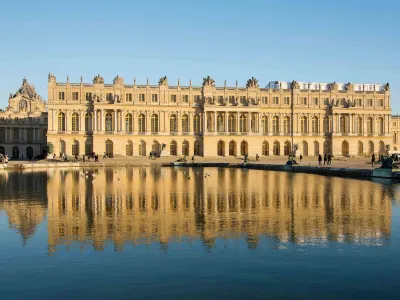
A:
x: 162, y: 205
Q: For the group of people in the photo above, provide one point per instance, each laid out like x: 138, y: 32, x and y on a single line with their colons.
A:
x: 327, y: 159
x: 153, y: 155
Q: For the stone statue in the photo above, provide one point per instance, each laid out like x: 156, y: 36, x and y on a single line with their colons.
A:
x: 11, y: 96
x: 22, y: 105
x: 208, y: 81
x: 98, y: 79
x: 163, y: 81
x: 386, y: 87
x: 295, y: 85
x: 333, y: 86
x: 51, y: 77
x: 118, y: 80
x: 252, y: 83
x: 348, y: 86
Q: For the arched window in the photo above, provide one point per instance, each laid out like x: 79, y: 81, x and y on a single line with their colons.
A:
x: 369, y: 125
x: 196, y: 123
x: 16, y: 134
x: 286, y: 125
x: 154, y: 123
x: 185, y: 148
x: 75, y: 122
x: 381, y: 126
x: 359, y: 125
x: 265, y: 148
x: 30, y: 135
x: 276, y: 148
x: 303, y: 121
x: 185, y: 124
x: 221, y: 148
x: 316, y: 148
x: 286, y: 148
x: 75, y: 148
x: 360, y: 148
x: 394, y: 138
x: 142, y: 123
x: 220, y: 123
x: 315, y: 125
x: 382, y: 147
x: 2, y: 135
x: 326, y: 125
x: 172, y: 148
x: 109, y: 122
x: 128, y: 122
x: 264, y: 124
x: 275, y: 125
x: 343, y: 124
x: 371, y: 147
x: 231, y: 123
x: 129, y: 148
x: 61, y: 121
x: 173, y: 124
x: 243, y: 123
x: 88, y: 122
x: 15, y: 152
x: 305, y: 148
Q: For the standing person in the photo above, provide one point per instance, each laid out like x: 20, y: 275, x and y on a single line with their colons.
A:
x: 319, y: 159
x: 329, y: 159
x: 257, y: 157
x: 325, y: 159
x: 301, y: 157
x: 373, y: 159
x: 193, y: 159
x: 151, y: 155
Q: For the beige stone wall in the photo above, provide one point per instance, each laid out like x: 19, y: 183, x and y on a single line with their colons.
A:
x: 249, y: 118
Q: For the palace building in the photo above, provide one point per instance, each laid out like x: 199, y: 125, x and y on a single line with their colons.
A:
x: 23, y: 124
x: 131, y: 119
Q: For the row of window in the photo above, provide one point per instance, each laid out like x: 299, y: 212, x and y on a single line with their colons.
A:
x: 16, y: 135
x: 220, y: 125
x: 231, y: 99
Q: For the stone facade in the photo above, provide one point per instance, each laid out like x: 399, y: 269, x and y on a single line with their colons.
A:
x: 23, y: 124
x: 130, y: 119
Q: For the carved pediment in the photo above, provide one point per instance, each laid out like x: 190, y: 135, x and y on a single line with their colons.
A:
x: 252, y: 83
x: 163, y: 81
x: 208, y: 81
x: 98, y: 79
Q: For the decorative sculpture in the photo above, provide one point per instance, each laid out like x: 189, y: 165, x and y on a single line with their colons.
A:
x: 208, y: 81
x: 333, y: 86
x: 51, y: 77
x: 386, y: 87
x: 348, y: 87
x: 295, y: 85
x: 98, y: 79
x: 22, y: 105
x: 118, y: 80
x: 252, y: 83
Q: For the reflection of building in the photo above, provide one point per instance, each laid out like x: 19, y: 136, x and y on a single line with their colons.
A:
x: 163, y: 205
x: 24, y: 213
x: 23, y: 124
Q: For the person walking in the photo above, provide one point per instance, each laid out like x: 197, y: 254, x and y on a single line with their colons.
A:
x: 372, y: 159
x: 329, y: 159
x: 257, y: 157
x: 150, y: 155
x: 319, y: 159
x: 193, y: 159
x: 325, y: 159
x: 301, y: 157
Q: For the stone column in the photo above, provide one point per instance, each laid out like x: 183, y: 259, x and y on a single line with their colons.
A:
x: 237, y: 122
x: 226, y: 122
x: 115, y: 120
x: 103, y: 121
x: 215, y: 121
x: 249, y: 122
x: 204, y: 123
x: 259, y: 122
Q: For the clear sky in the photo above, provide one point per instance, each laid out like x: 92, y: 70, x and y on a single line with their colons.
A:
x: 315, y: 40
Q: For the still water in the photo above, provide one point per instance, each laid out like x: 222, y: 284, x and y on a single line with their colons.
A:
x: 175, y: 233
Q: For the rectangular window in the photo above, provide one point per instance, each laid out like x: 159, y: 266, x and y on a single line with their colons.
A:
x: 88, y: 96
x: 129, y: 97
x: 326, y: 101
x: 154, y: 98
x: 109, y: 96
x: 275, y: 100
x: 286, y: 100
x: 369, y: 102
x: 196, y: 99
x: 61, y: 96
x: 242, y: 99
x: 359, y: 102
x: 173, y: 98
x: 185, y: 98
x: 315, y: 101
x: 304, y: 100
x: 75, y: 95
x: 342, y: 101
x: 264, y: 100
x: 380, y: 102
x: 231, y: 99
x: 394, y: 124
x: 141, y: 97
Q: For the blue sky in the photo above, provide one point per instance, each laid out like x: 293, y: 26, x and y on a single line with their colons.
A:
x: 318, y: 41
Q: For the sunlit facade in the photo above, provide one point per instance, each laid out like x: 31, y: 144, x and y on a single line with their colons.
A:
x: 130, y: 119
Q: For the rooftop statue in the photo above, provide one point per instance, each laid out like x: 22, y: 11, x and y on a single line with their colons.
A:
x: 118, y: 80
x: 386, y: 87
x: 252, y: 83
x: 333, y: 86
x: 208, y: 81
x: 348, y: 87
x: 295, y: 85
x: 98, y: 79
x: 163, y: 81
x: 51, y: 77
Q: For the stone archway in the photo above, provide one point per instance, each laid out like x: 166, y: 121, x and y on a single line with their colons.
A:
x: 29, y: 152
x: 221, y: 148
x: 232, y: 148
x: 345, y: 148
x: 244, y: 148
x: 109, y: 148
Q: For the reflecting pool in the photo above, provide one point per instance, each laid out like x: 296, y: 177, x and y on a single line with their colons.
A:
x: 202, y: 233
